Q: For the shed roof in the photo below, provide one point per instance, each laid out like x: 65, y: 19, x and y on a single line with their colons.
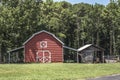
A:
x: 42, y: 32
x: 89, y: 45
x: 16, y: 49
x: 70, y: 48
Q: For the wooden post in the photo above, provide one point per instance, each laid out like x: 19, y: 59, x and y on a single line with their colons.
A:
x: 24, y: 55
x: 9, y: 56
x: 103, y: 57
x: 93, y: 56
x: 0, y: 57
x: 17, y: 57
x: 0, y: 54
x: 77, y: 57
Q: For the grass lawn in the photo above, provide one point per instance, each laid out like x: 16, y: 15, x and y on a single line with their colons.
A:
x: 56, y: 71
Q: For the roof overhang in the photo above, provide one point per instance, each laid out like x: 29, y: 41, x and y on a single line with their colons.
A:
x: 89, y: 45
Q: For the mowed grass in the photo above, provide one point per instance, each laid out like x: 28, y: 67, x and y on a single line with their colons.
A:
x: 56, y: 71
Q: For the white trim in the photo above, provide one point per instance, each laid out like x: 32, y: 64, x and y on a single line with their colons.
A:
x: 42, y: 32
x: 84, y: 47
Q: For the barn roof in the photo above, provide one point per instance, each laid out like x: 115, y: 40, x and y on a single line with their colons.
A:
x: 89, y: 45
x: 42, y: 32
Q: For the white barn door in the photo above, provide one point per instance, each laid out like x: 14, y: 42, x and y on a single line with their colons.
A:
x: 43, y: 56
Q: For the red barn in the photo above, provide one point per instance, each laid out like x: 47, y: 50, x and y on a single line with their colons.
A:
x: 43, y: 47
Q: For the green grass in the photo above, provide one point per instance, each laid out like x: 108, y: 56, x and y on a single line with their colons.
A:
x: 56, y: 71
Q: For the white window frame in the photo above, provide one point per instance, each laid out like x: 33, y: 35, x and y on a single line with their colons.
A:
x: 41, y: 44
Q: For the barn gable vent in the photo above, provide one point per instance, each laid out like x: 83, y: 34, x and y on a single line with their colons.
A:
x: 43, y: 44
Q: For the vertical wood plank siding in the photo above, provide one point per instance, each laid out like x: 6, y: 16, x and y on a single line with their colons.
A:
x: 53, y: 45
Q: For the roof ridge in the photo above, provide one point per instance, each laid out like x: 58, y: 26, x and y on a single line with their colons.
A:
x: 41, y: 32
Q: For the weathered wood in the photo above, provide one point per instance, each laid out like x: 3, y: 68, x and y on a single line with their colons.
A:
x: 103, y: 59
x: 91, y: 53
x: 77, y: 57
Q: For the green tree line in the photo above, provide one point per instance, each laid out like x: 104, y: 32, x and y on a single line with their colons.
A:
x: 75, y: 24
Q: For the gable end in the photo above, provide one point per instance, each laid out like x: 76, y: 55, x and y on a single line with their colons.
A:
x: 42, y: 32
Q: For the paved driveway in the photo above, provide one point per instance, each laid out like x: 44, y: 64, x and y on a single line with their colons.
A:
x: 113, y: 77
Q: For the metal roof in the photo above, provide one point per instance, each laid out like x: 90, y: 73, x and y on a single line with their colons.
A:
x: 88, y: 45
x: 16, y: 49
x: 42, y: 32
x: 84, y: 47
x: 70, y: 48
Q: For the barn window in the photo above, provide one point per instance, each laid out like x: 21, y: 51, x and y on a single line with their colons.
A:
x: 43, y: 44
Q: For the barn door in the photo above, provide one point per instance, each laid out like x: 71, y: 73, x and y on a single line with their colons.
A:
x: 43, y: 56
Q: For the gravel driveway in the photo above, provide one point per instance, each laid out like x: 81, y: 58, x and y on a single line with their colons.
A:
x: 112, y: 77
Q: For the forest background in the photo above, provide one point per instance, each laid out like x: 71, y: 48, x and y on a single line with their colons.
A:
x: 75, y: 24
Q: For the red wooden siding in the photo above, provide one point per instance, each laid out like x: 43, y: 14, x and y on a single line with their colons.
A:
x: 53, y: 45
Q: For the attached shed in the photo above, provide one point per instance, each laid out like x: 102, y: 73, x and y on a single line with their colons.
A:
x: 90, y: 54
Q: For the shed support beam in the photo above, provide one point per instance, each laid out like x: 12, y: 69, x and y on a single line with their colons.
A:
x: 77, y: 57
x: 9, y: 57
x: 103, y: 56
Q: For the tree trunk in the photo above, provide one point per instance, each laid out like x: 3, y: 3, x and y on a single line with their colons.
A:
x: 111, y: 42
x: 78, y: 40
x: 92, y: 39
x: 114, y: 46
x: 98, y: 39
